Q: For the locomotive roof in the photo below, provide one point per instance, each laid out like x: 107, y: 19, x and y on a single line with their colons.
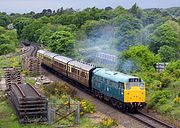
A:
x: 112, y: 75
x: 62, y: 58
x: 81, y: 65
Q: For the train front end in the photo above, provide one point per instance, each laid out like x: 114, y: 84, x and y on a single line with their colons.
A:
x: 134, y: 94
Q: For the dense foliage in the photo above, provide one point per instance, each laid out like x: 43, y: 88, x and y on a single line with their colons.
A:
x: 8, y: 40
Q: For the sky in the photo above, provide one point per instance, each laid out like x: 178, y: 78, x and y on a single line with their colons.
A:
x: 24, y: 6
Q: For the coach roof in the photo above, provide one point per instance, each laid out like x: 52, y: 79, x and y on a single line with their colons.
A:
x: 81, y: 65
x: 62, y: 59
x: 50, y: 54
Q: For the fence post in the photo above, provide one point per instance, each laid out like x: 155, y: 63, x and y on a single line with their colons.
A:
x: 69, y: 102
x: 77, y: 118
x: 51, y: 114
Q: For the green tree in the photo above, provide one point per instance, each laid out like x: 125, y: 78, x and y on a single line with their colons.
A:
x: 30, y: 32
x: 127, y: 31
x: 165, y: 34
x: 4, y: 19
x: 20, y: 23
x: 47, y: 30
x: 167, y: 53
x: 62, y: 42
x: 6, y: 48
x: 141, y: 55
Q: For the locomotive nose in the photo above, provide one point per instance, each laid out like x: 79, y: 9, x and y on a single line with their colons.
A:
x: 134, y: 96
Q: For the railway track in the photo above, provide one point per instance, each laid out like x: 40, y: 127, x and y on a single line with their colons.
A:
x: 149, y: 120
x: 30, y: 50
x: 34, y: 50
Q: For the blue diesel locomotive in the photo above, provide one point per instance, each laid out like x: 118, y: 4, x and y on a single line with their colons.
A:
x: 123, y: 91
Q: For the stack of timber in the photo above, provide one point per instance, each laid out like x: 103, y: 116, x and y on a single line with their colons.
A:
x: 12, y: 75
x: 32, y: 65
x: 30, y: 105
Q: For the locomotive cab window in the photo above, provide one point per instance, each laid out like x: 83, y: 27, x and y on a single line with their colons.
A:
x: 121, y: 86
x: 142, y: 86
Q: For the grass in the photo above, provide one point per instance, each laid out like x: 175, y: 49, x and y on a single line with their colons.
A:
x: 1, y: 72
x: 30, y: 80
x: 9, y: 62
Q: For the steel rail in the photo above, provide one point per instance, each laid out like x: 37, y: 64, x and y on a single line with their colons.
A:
x: 35, y: 90
x: 149, y: 120
x: 20, y: 90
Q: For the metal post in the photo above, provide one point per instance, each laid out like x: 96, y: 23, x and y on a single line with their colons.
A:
x: 77, y: 118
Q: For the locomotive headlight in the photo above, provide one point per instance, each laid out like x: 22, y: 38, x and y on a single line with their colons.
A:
x: 122, y: 93
x: 142, y: 85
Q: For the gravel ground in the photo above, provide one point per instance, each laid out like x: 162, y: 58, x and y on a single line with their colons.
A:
x: 120, y: 117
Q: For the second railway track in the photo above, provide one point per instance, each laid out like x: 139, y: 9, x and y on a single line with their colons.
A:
x: 149, y: 120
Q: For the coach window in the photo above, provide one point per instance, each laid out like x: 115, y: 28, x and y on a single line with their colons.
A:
x: 61, y: 65
x: 69, y: 69
x: 74, y: 70
x: 83, y: 74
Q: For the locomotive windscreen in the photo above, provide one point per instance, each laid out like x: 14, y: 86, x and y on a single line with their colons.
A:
x: 134, y: 80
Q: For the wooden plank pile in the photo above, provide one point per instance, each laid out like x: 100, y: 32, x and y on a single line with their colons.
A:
x: 12, y: 75
x: 32, y: 65
x: 30, y: 105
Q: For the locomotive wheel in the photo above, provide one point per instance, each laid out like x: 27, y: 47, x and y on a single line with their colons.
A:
x: 96, y: 93
x: 113, y: 102
x: 119, y: 105
x: 101, y: 96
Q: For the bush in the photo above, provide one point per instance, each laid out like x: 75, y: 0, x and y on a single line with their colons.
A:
x: 166, y: 81
x: 58, y: 88
x: 159, y: 97
x: 6, y: 48
x: 177, y: 99
x: 173, y: 66
x: 166, y: 108
x: 87, y: 107
x: 108, y: 123
x: 25, y: 72
x: 158, y: 84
